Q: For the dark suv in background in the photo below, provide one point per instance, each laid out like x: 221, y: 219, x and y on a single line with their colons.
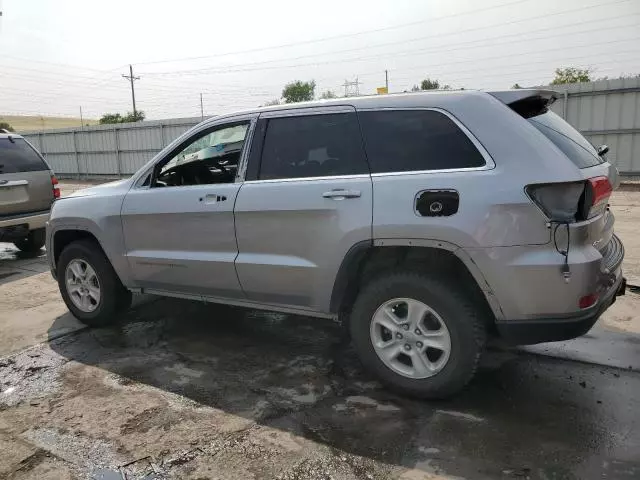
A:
x: 27, y: 190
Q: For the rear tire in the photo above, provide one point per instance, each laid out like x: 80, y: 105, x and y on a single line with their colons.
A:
x: 33, y: 242
x: 449, y: 333
x: 90, y: 286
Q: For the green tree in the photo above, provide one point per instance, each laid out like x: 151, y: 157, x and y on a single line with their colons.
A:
x: 299, y: 91
x: 428, y: 84
x: 571, y: 75
x: 328, y: 94
x: 271, y: 103
x: 108, y: 118
x: 138, y: 116
x: 6, y: 126
x: 415, y: 88
x: 516, y: 86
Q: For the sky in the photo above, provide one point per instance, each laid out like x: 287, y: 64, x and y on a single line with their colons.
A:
x: 57, y: 56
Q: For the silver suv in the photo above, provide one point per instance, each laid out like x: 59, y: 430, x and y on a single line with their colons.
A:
x: 27, y: 190
x: 425, y: 221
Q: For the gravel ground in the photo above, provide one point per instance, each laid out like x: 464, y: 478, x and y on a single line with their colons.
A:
x: 181, y: 389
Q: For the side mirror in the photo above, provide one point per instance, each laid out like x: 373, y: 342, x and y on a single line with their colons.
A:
x: 602, y: 150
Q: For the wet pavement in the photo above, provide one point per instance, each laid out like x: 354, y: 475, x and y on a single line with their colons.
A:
x: 182, y: 389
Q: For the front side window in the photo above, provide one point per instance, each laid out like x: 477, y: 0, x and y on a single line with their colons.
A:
x: 16, y: 156
x: 312, y: 146
x: 211, y: 157
x: 414, y: 140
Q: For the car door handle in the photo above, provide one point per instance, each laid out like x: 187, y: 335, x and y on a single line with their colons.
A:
x: 341, y: 194
x: 213, y: 198
x: 13, y: 183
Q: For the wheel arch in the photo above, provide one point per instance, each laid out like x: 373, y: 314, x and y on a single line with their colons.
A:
x: 366, y: 259
x: 63, y: 236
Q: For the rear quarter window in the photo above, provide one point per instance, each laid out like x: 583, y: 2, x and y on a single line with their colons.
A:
x: 414, y: 140
x: 16, y: 156
x: 567, y: 139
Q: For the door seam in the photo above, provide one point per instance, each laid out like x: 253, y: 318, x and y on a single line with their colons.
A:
x: 235, y: 236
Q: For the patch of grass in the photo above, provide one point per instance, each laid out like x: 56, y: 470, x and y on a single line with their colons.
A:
x: 25, y: 123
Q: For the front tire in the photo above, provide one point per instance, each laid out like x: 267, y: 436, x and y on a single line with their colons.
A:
x: 417, y: 334
x: 89, y: 286
x: 33, y: 242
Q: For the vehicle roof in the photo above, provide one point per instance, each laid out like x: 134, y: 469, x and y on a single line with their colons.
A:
x: 10, y: 134
x: 440, y: 98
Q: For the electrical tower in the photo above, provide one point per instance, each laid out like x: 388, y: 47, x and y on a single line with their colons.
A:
x: 352, y: 89
x: 132, y: 79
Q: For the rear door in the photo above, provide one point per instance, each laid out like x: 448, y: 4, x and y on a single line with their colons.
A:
x: 25, y: 178
x: 306, y: 201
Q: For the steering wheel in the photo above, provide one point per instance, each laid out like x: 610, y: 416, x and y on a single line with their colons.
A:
x: 218, y: 165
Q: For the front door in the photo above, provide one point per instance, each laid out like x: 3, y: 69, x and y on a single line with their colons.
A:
x: 178, y: 226
x: 309, y: 203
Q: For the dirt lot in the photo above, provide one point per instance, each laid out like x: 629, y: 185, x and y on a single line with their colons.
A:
x: 185, y: 390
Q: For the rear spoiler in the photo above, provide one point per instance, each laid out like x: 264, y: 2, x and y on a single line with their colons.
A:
x: 527, y: 102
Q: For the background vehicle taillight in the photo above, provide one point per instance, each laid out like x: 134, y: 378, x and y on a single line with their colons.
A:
x: 572, y: 201
x: 54, y: 186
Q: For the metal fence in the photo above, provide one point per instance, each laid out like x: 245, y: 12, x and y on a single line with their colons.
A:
x: 106, y: 150
x: 606, y: 112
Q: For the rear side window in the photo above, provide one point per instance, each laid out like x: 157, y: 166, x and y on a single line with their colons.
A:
x: 313, y: 146
x: 413, y: 140
x: 16, y: 156
x: 568, y: 139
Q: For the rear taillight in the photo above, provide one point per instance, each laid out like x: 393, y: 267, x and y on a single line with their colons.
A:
x: 558, y: 201
x: 54, y: 186
x: 588, y: 300
x: 572, y: 201
x: 596, y: 198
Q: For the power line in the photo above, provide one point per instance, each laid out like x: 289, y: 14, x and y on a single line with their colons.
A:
x: 511, y: 65
x: 451, y: 76
x: 231, y: 106
x: 66, y: 65
x: 228, y: 68
x: 79, y: 81
x: 338, y: 37
x: 169, y: 93
x: 358, y: 59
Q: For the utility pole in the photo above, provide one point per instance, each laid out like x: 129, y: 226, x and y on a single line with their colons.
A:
x: 131, y: 78
x: 201, y: 109
x: 386, y: 79
x: 81, y: 121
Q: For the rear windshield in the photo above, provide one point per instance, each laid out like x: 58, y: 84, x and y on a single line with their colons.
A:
x: 567, y: 139
x: 16, y: 156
